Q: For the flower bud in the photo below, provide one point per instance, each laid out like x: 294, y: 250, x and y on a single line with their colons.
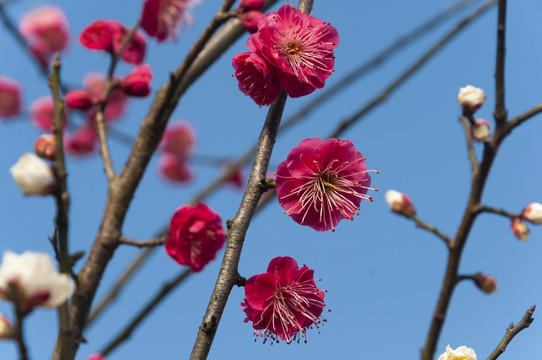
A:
x: 400, y: 202
x: 6, y: 329
x: 248, y: 5
x: 42, y: 113
x: 471, y: 98
x: 533, y: 213
x: 44, y: 147
x: 174, y: 169
x: 137, y: 83
x: 486, y: 283
x: 82, y: 141
x: 78, y: 99
x: 10, y: 98
x: 250, y: 20
x: 95, y: 357
x: 520, y: 229
x: 480, y: 130
x: 33, y: 175
x: 461, y: 353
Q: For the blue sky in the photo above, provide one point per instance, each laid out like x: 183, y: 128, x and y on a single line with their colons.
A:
x: 382, y: 274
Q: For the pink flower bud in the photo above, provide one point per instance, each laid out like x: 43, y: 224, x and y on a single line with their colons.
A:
x: 81, y: 142
x: 471, y: 98
x: 179, y: 139
x: 248, y: 5
x: 250, y: 20
x: 533, y: 213
x: 195, y: 236
x: 78, y: 99
x: 33, y: 175
x: 400, y: 202
x: 97, y: 36
x: 96, y: 357
x: 137, y: 83
x: 44, y: 147
x: 486, y: 283
x: 42, y: 113
x: 10, y: 98
x: 6, y: 329
x: 520, y: 229
x: 238, y: 177
x: 481, y: 130
x: 174, y: 169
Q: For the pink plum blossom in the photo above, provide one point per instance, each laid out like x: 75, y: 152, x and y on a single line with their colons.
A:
x: 97, y: 36
x: 256, y: 78
x: 299, y: 47
x: 78, y: 99
x: 284, y: 301
x: 250, y: 20
x: 322, y: 182
x: 161, y: 18
x: 179, y: 139
x: 48, y: 27
x: 82, y: 141
x: 116, y: 103
x: 249, y: 5
x: 10, y: 98
x: 42, y: 113
x: 195, y: 236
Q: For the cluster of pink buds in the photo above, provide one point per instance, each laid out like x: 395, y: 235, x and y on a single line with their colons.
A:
x: 250, y: 13
x: 46, y: 30
x: 177, y: 146
x: 290, y: 50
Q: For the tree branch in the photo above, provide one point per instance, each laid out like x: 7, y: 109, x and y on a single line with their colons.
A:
x: 145, y: 243
x: 500, y: 113
x: 502, y: 212
x: 512, y: 331
x: 423, y: 225
x: 62, y: 198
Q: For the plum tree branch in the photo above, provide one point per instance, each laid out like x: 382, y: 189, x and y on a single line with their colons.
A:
x: 512, y: 331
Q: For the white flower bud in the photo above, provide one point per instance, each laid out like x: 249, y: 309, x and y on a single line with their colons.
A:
x: 520, y: 229
x: 533, y: 213
x: 36, y: 280
x: 400, y: 202
x: 471, y: 98
x: 461, y: 353
x: 32, y: 175
x: 480, y: 130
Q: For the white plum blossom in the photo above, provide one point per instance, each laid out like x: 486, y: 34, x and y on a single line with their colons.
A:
x: 520, y: 229
x: 461, y: 353
x: 32, y: 175
x: 471, y: 98
x: 399, y: 202
x: 36, y: 279
x: 533, y: 213
x: 481, y: 130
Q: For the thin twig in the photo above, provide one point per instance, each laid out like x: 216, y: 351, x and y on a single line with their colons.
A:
x: 502, y: 212
x: 146, y: 310
x: 520, y: 119
x: 512, y: 331
x: 423, y: 225
x: 119, y: 284
x: 19, y: 319
x: 470, y: 148
x: 144, y: 243
x: 500, y: 113
x: 62, y: 198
